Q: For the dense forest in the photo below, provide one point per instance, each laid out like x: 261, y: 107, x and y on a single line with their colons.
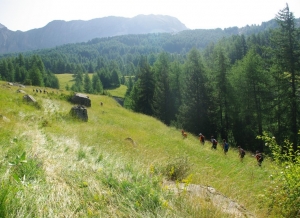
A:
x: 231, y: 85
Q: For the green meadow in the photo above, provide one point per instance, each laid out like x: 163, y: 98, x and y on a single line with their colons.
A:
x: 114, y: 165
x: 67, y: 79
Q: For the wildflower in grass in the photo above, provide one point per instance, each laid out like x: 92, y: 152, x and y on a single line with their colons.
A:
x: 165, y: 204
x: 152, y: 169
x: 137, y: 204
x: 188, y: 180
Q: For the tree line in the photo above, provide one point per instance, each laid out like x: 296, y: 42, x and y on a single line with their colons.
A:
x: 28, y: 71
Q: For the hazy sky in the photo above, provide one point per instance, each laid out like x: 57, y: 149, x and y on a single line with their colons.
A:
x: 195, y: 14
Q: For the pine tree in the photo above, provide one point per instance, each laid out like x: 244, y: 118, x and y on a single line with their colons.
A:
x: 87, y: 88
x: 97, y: 85
x: 252, y: 101
x: 222, y: 88
x: 142, y: 92
x: 115, y: 80
x: 4, y: 70
x: 36, y: 76
x: 162, y: 96
x: 176, y: 80
x: 287, y: 58
x: 193, y: 113
x: 78, y: 85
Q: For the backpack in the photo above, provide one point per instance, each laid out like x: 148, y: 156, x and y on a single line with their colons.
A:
x: 215, y: 142
x: 226, y: 146
x: 243, y: 153
x: 261, y: 157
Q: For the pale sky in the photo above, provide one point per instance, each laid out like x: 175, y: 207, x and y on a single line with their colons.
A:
x: 195, y: 14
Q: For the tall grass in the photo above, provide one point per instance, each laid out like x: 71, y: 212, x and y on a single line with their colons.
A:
x: 91, y: 169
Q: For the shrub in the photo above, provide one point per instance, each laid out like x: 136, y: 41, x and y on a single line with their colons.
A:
x: 283, y: 193
x: 177, y: 169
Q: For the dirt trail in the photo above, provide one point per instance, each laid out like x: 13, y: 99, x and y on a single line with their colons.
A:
x: 220, y: 201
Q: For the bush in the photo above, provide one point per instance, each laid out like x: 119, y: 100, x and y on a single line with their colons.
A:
x: 177, y: 169
x: 283, y: 193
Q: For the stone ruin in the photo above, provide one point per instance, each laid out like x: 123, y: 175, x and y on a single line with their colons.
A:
x: 79, y: 112
x: 81, y: 99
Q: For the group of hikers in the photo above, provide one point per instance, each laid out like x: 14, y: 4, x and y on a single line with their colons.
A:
x: 225, y: 146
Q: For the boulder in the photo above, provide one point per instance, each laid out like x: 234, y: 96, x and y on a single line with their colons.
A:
x: 21, y: 91
x: 79, y: 112
x: 81, y: 99
x: 29, y: 98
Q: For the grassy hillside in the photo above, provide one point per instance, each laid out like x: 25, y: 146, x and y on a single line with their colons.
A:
x: 114, y: 165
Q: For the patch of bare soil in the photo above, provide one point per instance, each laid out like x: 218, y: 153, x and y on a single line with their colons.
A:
x: 208, y: 193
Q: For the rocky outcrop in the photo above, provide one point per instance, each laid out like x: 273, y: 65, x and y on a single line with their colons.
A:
x: 79, y: 112
x: 208, y: 193
x: 81, y: 99
x: 29, y: 98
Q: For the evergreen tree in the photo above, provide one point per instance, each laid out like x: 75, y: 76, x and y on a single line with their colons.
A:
x: 78, y: 85
x: 222, y: 88
x: 36, y: 76
x: 176, y: 80
x: 105, y: 77
x: 253, y: 100
x: 97, y: 85
x: 88, y: 88
x: 91, y: 68
x: 115, y: 80
x: 127, y: 99
x: 4, y: 70
x: 287, y: 59
x: 142, y: 93
x: 193, y: 113
x: 11, y: 71
x: 20, y: 60
x: 161, y: 105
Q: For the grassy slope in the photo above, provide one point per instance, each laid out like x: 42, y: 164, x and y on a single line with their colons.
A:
x: 85, y: 169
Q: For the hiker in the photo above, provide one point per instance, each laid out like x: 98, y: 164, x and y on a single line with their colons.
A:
x: 241, y: 153
x: 259, y: 157
x: 183, y: 134
x: 225, y: 146
x: 202, y: 138
x: 214, y: 143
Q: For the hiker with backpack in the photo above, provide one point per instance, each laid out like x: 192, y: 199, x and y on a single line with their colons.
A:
x: 259, y: 157
x: 214, y: 143
x: 241, y: 153
x: 202, y: 138
x: 225, y: 146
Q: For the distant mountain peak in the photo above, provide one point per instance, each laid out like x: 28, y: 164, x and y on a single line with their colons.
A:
x: 2, y: 26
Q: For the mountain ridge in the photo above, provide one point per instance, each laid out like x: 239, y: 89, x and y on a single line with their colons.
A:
x: 59, y: 32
